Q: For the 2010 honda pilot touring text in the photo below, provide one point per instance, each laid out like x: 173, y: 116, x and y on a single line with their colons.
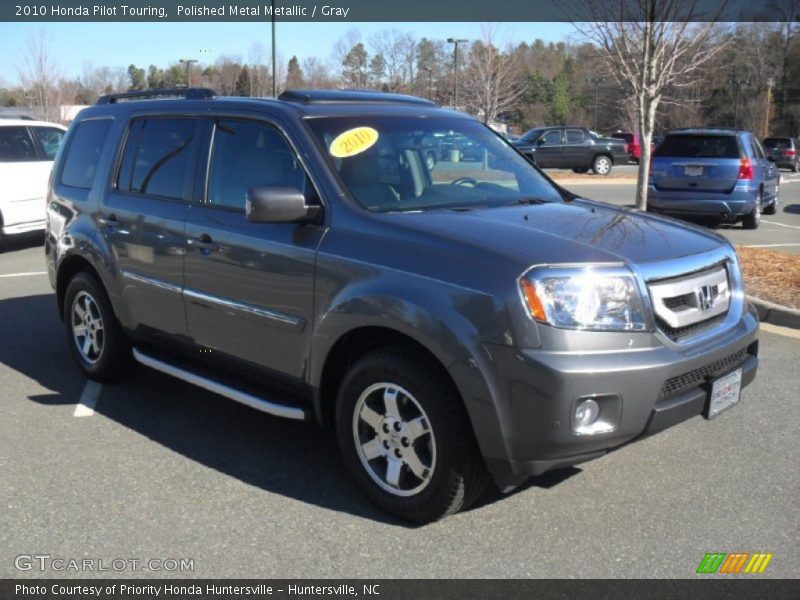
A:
x: 454, y: 322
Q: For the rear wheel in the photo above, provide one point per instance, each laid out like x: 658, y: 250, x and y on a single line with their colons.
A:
x: 773, y: 206
x: 406, y: 439
x: 601, y: 165
x: 752, y: 219
x: 94, y: 335
x: 793, y: 168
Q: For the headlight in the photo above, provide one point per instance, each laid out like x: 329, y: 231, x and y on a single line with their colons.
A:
x: 599, y: 298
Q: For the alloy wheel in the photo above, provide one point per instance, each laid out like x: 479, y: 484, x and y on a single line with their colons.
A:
x: 394, y: 439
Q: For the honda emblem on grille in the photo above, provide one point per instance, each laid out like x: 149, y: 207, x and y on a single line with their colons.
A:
x: 704, y: 296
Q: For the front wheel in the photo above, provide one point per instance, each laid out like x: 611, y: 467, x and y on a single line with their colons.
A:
x: 601, y: 165
x: 430, y: 161
x: 94, y: 335
x: 406, y: 439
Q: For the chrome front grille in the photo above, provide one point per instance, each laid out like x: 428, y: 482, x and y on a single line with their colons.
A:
x: 690, y: 303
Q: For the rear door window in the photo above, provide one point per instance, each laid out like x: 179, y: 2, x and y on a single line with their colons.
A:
x: 16, y: 145
x: 699, y: 146
x: 575, y: 136
x: 158, y: 156
x: 83, y: 153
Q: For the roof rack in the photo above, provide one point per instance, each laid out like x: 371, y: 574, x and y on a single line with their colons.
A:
x: 321, y: 96
x: 187, y: 93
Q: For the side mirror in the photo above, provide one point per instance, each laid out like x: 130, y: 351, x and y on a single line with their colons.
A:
x: 540, y: 141
x: 278, y: 205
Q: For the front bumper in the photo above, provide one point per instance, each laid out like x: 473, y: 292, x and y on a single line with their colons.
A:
x: 655, y: 387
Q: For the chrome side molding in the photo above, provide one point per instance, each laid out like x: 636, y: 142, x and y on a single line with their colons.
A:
x: 279, y: 410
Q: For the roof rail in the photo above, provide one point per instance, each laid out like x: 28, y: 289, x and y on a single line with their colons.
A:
x: 187, y: 93
x: 314, y: 96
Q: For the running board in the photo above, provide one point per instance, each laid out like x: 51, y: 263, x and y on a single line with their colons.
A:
x: 279, y: 410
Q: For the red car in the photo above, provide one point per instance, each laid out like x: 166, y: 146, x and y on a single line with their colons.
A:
x: 633, y: 146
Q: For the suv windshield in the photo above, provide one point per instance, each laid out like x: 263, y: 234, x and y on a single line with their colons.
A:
x: 392, y: 164
x: 699, y: 146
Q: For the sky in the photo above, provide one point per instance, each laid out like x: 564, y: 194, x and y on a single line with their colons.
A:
x: 120, y: 44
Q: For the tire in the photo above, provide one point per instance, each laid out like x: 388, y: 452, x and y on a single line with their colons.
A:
x: 580, y: 170
x: 753, y: 218
x: 602, y: 165
x: 793, y: 168
x: 430, y: 160
x: 102, y: 351
x: 440, y: 469
x: 772, y: 208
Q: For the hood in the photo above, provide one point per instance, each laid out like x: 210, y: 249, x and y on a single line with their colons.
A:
x: 566, y: 232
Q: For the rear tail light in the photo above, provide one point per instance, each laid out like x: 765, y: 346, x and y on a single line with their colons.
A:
x: 745, y: 169
x: 789, y: 153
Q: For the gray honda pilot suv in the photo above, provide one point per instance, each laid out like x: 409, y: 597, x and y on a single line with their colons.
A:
x: 454, y: 323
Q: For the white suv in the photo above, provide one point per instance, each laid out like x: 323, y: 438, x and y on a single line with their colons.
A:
x: 27, y: 150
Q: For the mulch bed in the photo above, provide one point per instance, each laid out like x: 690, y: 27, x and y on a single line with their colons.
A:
x: 771, y: 275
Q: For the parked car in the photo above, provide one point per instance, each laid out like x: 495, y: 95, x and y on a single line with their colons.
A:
x: 27, y: 150
x: 719, y: 173
x: 572, y: 148
x: 495, y: 326
x: 783, y: 151
x: 633, y: 146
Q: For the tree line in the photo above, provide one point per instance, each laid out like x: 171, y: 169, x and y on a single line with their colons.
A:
x: 521, y: 85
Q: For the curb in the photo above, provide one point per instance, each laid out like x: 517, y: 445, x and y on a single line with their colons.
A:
x: 775, y: 314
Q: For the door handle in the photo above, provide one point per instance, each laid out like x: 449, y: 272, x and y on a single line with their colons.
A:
x: 204, y: 243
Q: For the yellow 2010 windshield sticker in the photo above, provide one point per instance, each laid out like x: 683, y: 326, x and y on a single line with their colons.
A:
x: 353, y: 141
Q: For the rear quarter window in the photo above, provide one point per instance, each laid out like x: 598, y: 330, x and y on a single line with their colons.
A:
x: 699, y: 146
x: 83, y: 153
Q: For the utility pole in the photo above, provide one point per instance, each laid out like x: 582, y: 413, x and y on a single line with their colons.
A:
x: 455, y: 43
x: 274, y: 59
x: 770, y: 85
x: 188, y: 62
x: 596, y: 81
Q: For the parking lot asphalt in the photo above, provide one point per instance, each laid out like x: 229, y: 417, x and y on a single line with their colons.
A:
x: 160, y: 469
x: 780, y: 231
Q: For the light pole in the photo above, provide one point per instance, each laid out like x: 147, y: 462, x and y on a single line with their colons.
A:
x: 430, y: 82
x: 737, y: 84
x: 596, y: 81
x: 455, y: 43
x: 188, y: 62
x: 274, y: 71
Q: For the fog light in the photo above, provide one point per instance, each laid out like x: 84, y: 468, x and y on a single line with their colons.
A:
x: 586, y: 413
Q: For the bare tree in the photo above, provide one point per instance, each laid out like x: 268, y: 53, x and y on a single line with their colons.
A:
x: 40, y: 74
x: 650, y: 47
x: 492, y: 79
